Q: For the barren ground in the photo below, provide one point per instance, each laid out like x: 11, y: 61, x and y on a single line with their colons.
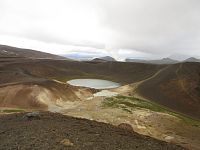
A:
x: 56, y: 131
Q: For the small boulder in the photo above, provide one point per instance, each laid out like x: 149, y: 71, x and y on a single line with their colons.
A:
x: 32, y: 115
x: 67, y: 142
x: 125, y: 126
x: 169, y: 138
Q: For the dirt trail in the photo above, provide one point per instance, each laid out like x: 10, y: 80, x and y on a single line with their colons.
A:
x: 153, y: 76
x: 181, y: 83
x: 130, y: 89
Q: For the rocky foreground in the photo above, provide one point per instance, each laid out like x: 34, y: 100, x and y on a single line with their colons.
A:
x: 56, y: 131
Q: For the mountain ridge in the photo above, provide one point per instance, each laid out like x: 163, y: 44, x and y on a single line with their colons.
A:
x: 106, y: 58
x: 158, y: 61
x: 14, y: 52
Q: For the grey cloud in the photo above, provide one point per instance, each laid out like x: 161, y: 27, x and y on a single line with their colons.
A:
x: 152, y: 27
x: 49, y: 38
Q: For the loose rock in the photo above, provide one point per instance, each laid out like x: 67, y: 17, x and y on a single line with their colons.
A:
x: 125, y: 126
x: 67, y: 142
x: 32, y: 115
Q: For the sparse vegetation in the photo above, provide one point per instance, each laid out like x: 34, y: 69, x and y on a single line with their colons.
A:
x: 11, y: 110
x: 129, y: 104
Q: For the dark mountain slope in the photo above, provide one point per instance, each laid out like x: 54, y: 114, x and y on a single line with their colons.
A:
x: 177, y: 87
x: 64, y: 70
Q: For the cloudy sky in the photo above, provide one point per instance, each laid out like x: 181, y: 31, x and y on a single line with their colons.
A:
x: 148, y: 29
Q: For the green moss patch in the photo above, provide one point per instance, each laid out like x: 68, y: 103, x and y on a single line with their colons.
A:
x: 129, y: 104
x: 11, y: 110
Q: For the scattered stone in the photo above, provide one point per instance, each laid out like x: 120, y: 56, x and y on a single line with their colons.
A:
x: 32, y: 115
x: 125, y: 126
x: 169, y: 138
x: 73, y: 134
x: 67, y: 142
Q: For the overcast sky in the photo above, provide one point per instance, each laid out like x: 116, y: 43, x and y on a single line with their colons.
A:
x: 121, y: 28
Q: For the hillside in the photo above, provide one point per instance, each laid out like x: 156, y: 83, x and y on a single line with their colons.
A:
x: 177, y: 87
x: 36, y: 83
x: 10, y: 52
x: 40, y: 84
x: 55, y: 131
x: 63, y: 70
x: 40, y: 94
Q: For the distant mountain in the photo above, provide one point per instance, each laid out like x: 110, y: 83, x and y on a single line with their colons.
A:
x: 159, y: 61
x: 106, y: 58
x: 179, y: 57
x: 8, y: 51
x: 78, y: 57
x: 136, y: 60
x: 192, y: 59
x: 164, y: 61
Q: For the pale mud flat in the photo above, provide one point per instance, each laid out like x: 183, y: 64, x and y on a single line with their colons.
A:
x: 158, y: 125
